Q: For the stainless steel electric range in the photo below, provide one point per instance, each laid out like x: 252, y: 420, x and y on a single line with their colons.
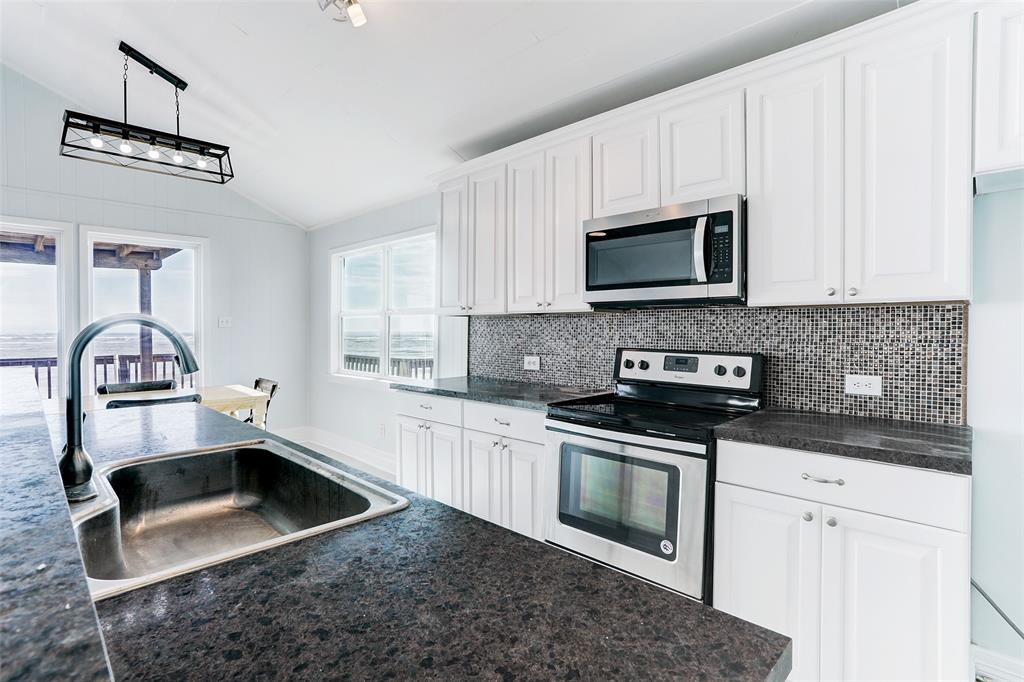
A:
x: 630, y: 474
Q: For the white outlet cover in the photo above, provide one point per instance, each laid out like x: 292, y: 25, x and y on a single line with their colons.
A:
x: 863, y: 384
x: 531, y: 362
x: 224, y: 322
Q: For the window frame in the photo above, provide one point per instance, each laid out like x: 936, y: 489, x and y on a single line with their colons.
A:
x: 384, y: 314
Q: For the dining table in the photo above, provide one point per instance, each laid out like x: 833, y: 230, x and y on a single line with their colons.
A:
x: 233, y: 399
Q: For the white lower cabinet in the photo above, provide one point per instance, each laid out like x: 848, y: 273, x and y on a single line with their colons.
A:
x: 521, y: 469
x: 412, y: 455
x: 444, y: 463
x: 482, y: 474
x: 864, y: 596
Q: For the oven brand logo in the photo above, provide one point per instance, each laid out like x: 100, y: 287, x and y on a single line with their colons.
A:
x: 666, y: 547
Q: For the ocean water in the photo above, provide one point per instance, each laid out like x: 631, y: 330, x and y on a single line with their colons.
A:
x: 44, y: 345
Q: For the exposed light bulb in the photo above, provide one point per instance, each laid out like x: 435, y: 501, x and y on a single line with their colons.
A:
x: 177, y: 157
x: 125, y: 147
x: 96, y: 141
x: 201, y: 162
x: 355, y: 13
x: 153, y: 152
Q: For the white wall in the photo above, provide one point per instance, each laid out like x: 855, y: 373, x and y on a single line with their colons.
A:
x: 256, y: 260
x: 353, y: 416
x: 995, y: 403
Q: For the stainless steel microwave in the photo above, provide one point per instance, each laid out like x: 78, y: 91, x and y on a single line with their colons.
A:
x: 685, y: 254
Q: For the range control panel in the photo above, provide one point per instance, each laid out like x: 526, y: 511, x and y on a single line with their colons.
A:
x: 690, y: 369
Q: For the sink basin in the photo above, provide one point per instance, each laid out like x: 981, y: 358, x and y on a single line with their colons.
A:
x: 163, y: 516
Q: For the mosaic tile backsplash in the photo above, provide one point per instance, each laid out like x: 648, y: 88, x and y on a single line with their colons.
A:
x: 919, y: 350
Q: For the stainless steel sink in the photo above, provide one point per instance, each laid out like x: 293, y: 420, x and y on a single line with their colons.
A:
x: 162, y: 516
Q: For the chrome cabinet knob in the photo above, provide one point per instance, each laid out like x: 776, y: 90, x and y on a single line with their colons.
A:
x: 540, y: 304
x: 494, y: 444
x: 831, y: 521
x: 852, y: 291
x: 808, y: 516
x: 831, y: 291
x: 420, y: 426
x: 427, y: 427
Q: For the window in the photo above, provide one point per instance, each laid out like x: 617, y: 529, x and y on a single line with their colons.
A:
x: 384, y: 307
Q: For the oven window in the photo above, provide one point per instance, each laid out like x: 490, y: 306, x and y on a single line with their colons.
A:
x: 659, y: 254
x: 631, y: 501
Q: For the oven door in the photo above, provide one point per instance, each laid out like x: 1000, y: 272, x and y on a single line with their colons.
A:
x: 634, y: 502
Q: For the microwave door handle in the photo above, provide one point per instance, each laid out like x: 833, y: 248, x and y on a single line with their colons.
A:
x: 700, y: 232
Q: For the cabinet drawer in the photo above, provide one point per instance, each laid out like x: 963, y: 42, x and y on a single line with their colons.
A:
x: 433, y: 408
x: 513, y: 422
x: 928, y: 497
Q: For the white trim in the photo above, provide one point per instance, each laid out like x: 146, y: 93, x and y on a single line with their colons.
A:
x: 64, y: 264
x: 354, y: 453
x: 89, y: 234
x: 368, y: 244
x: 992, y: 665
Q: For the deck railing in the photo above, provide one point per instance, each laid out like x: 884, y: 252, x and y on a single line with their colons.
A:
x: 107, y: 369
x: 414, y: 368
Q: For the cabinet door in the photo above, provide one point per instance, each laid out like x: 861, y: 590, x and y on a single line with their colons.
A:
x: 453, y: 251
x: 999, y: 94
x: 521, y: 469
x: 795, y: 197
x: 895, y: 599
x: 444, y: 463
x: 702, y: 151
x: 526, y: 234
x: 411, y: 472
x: 481, y: 466
x: 567, y: 203
x: 487, y: 241
x: 908, y: 166
x: 767, y: 567
x: 626, y: 168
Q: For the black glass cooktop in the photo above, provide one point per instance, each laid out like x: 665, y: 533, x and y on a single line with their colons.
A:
x: 644, y: 418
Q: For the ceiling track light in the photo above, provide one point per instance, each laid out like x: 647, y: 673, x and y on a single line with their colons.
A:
x: 348, y: 11
x: 120, y: 143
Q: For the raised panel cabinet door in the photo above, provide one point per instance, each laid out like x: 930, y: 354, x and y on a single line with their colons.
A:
x: 453, y: 250
x: 521, y: 469
x: 487, y: 241
x: 526, y: 234
x: 908, y: 166
x: 795, y: 186
x: 411, y: 472
x: 481, y: 466
x: 895, y: 599
x: 702, y: 149
x: 444, y: 460
x: 567, y: 203
x: 767, y: 567
x: 626, y: 168
x: 999, y: 91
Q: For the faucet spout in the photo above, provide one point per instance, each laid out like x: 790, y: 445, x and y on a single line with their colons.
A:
x: 75, y: 464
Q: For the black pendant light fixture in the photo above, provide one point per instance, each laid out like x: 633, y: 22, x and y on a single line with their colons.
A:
x: 120, y: 143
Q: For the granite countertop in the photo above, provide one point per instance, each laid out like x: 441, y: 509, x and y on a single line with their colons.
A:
x: 426, y: 592
x: 939, y: 447
x: 498, y: 391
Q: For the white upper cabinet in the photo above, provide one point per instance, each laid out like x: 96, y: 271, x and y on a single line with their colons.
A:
x: 626, y: 167
x: 453, y: 250
x: 527, y: 252
x: 895, y: 601
x: 999, y: 92
x: 567, y: 203
x: 795, y: 186
x: 908, y: 165
x: 487, y: 241
x: 702, y: 149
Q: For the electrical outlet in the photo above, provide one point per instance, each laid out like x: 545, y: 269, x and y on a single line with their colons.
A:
x: 531, y: 362
x: 224, y: 322
x: 863, y: 384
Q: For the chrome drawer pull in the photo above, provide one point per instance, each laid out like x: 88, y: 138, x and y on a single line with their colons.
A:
x: 426, y: 407
x: 808, y: 477
x: 503, y: 422
x: 808, y: 516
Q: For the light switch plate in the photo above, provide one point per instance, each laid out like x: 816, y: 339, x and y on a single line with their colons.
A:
x: 224, y: 322
x: 531, y: 362
x: 863, y: 384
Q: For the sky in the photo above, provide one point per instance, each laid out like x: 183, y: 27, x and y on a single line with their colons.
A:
x: 28, y: 294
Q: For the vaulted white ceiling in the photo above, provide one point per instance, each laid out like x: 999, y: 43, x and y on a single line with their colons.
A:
x: 326, y: 121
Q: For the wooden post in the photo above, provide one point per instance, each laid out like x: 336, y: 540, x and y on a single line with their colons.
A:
x: 145, y: 333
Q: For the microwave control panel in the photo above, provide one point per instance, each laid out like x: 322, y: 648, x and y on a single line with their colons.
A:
x: 720, y: 233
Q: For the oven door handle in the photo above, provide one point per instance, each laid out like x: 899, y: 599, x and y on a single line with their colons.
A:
x: 700, y: 234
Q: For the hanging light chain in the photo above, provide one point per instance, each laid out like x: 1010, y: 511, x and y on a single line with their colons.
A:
x: 126, y: 88
x: 177, y: 111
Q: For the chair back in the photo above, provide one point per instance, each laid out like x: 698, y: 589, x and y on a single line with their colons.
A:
x: 137, y: 386
x: 268, y: 386
x: 143, y: 402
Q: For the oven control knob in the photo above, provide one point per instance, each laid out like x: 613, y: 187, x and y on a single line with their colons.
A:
x: 739, y: 371
x: 720, y: 370
x: 628, y: 364
x: 644, y: 364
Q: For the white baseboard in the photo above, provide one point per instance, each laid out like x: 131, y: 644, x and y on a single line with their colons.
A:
x: 991, y: 665
x: 346, y: 450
